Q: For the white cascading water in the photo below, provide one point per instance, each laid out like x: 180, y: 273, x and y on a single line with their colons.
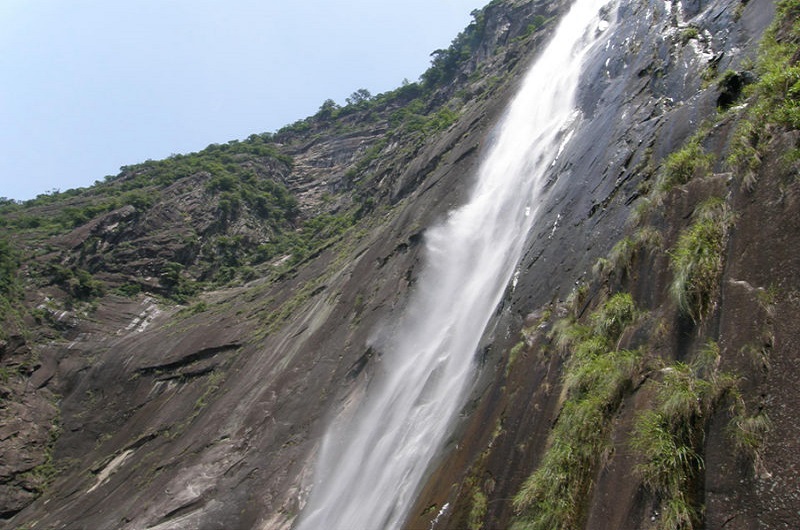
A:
x: 372, y: 462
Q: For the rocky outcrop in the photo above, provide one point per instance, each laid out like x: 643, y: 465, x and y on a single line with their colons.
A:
x: 29, y: 427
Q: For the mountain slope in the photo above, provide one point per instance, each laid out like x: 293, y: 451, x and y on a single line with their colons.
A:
x: 644, y: 395
x: 177, y: 337
x: 214, y: 303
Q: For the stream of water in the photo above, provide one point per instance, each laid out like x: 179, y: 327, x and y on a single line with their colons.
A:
x: 372, y: 463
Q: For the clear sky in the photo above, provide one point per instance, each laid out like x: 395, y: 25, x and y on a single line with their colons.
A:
x: 87, y: 86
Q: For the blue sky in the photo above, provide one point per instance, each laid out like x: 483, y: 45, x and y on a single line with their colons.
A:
x: 87, y: 86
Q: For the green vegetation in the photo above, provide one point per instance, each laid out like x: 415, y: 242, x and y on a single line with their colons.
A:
x: 216, y: 159
x: 513, y: 354
x: 436, y: 122
x: 240, y: 180
x: 536, y: 24
x: 474, y: 485
x: 669, y: 437
x: 355, y: 173
x: 697, y: 259
x: 775, y: 97
x: 596, y: 377
x: 616, y: 314
x: 296, y: 246
x: 268, y: 199
x: 272, y: 320
x: 689, y: 33
x: 128, y: 289
x: 779, y: 86
x: 445, y: 63
x: 9, y: 282
x: 362, y: 95
x: 477, y: 511
x: 749, y: 433
x: 137, y: 185
x: 623, y: 253
x: 78, y: 283
x: 11, y: 290
x: 235, y: 178
x: 211, y: 383
x: 176, y: 283
x: 680, y: 166
x: 415, y: 108
x: 41, y: 476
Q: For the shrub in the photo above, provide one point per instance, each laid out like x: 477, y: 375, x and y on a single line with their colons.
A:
x: 445, y: 63
x: 536, y: 23
x: 671, y: 462
x: 139, y: 199
x: 513, y: 354
x: 9, y: 263
x: 223, y: 182
x: 129, y: 289
x: 359, y: 97
x: 689, y: 33
x: 10, y: 289
x: 744, y: 156
x: 328, y: 110
x: 78, y: 283
x: 443, y: 119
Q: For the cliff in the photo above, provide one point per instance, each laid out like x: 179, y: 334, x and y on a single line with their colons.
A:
x: 177, y: 337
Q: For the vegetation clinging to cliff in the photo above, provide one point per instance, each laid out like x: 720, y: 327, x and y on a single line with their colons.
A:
x: 9, y: 283
x: 697, y: 258
x: 670, y: 435
x: 775, y: 97
x: 597, y: 374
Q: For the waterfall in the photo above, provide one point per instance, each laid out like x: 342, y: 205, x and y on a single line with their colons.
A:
x: 371, y: 464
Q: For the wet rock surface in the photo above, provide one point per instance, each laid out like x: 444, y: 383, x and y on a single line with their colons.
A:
x: 644, y: 97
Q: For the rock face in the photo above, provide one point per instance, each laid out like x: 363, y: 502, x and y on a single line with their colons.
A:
x: 185, y: 346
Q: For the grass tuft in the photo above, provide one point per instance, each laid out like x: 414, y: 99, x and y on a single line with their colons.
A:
x: 669, y: 437
x: 749, y: 435
x: 682, y: 165
x: 775, y: 97
x: 596, y: 378
x: 697, y: 259
x: 622, y: 255
x: 614, y: 316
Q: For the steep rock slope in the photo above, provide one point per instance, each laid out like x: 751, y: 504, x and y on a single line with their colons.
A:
x: 171, y: 358
x: 184, y: 327
x: 641, y: 391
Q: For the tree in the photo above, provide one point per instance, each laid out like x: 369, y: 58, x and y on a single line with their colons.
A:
x: 359, y: 96
x: 328, y: 109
